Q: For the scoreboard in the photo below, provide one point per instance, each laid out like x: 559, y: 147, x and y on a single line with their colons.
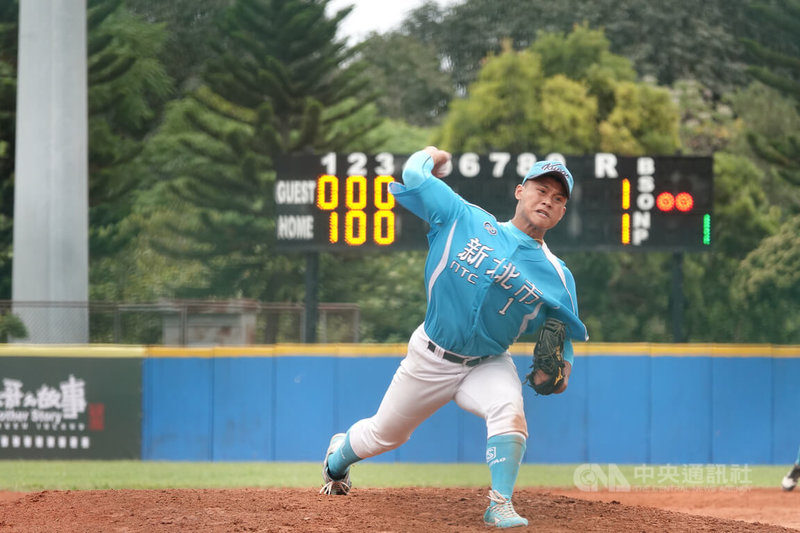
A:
x: 336, y: 202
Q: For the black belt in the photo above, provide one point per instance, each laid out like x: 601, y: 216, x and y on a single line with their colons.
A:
x: 459, y: 359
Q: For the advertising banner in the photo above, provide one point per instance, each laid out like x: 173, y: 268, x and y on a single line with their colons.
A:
x: 70, y: 408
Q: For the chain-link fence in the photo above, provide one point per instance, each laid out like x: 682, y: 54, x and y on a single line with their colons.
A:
x: 176, y: 322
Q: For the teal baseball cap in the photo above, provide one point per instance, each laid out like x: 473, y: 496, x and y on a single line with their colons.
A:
x: 557, y: 169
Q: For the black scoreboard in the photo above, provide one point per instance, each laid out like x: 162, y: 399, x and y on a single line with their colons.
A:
x: 336, y: 202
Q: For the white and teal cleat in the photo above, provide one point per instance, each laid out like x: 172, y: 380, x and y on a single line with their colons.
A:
x: 332, y: 486
x: 501, y: 512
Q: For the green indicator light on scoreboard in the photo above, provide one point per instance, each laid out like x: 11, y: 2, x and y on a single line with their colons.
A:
x: 707, y: 229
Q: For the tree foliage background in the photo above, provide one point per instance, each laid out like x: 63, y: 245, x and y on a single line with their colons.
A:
x: 191, y: 101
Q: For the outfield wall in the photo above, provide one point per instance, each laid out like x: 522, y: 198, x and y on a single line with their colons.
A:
x: 627, y: 403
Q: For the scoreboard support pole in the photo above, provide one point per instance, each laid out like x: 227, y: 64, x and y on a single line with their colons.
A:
x: 310, y: 316
x: 677, y: 297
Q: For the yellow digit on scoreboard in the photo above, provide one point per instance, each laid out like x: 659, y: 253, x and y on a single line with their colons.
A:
x: 328, y: 200
x: 383, y: 198
x: 327, y: 187
x: 626, y: 228
x: 333, y: 225
x: 384, y: 201
x: 357, y: 198
x: 355, y: 228
x: 356, y: 192
x: 625, y: 237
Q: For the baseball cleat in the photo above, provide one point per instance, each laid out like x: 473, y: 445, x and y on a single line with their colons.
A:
x: 334, y: 486
x: 789, y: 482
x: 501, y: 513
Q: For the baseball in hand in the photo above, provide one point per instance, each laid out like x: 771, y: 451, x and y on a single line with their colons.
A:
x: 442, y: 164
x: 444, y: 170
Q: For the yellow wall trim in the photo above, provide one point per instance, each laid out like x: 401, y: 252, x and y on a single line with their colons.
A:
x: 632, y: 349
x: 72, y: 350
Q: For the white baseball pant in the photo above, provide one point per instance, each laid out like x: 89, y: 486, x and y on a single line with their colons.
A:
x: 424, y: 382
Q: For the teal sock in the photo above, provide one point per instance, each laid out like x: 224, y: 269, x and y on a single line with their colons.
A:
x: 341, y: 459
x: 798, y: 458
x: 504, y: 455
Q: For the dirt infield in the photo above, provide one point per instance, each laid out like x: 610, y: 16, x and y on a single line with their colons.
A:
x: 394, y: 510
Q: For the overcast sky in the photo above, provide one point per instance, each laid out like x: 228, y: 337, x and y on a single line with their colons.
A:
x: 374, y: 15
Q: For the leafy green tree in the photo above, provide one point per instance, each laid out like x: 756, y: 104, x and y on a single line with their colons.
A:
x: 768, y: 285
x: 623, y: 297
x: 765, y: 285
x: 12, y: 326
x: 499, y: 109
x: 407, y: 72
x: 397, y: 137
x: 669, y: 41
x: 743, y: 217
x: 388, y: 287
x: 775, y: 61
x: 763, y: 113
x: 750, y: 203
x: 525, y: 101
x: 783, y: 152
x: 584, y: 55
x: 467, y: 32
x: 707, y: 123
x: 644, y: 120
x: 567, y: 114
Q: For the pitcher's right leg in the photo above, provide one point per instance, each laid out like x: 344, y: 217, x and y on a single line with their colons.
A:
x: 421, y: 385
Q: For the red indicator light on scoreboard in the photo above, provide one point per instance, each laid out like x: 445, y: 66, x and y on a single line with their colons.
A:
x: 683, y: 202
x: 665, y: 201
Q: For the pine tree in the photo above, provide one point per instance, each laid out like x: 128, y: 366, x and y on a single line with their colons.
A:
x: 127, y: 89
x: 776, y: 63
x: 280, y: 83
x: 9, y: 14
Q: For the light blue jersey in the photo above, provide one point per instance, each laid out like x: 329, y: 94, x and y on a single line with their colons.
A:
x: 487, y: 282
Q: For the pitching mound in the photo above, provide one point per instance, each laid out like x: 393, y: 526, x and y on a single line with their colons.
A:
x: 389, y: 510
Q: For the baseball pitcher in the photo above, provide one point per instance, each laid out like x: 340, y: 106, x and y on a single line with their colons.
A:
x: 488, y: 282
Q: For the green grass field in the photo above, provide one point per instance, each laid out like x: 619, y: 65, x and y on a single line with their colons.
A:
x: 93, y: 475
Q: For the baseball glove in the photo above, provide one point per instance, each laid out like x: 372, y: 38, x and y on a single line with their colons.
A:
x: 548, y: 356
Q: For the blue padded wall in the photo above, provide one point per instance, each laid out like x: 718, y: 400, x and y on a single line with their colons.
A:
x: 177, y: 400
x: 629, y: 408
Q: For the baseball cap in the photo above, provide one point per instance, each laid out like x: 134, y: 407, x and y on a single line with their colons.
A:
x: 557, y: 169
